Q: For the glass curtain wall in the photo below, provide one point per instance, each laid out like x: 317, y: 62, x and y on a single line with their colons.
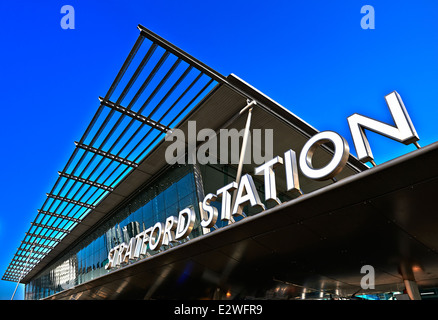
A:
x: 171, y: 192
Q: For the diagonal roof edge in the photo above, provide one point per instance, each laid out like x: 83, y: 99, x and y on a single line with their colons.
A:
x: 232, y: 82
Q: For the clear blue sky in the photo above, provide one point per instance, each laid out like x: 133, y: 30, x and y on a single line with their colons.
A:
x: 311, y: 56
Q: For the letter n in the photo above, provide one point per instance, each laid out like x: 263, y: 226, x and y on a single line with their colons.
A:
x: 403, y: 131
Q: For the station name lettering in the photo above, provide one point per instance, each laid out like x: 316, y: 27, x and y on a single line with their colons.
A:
x: 175, y: 229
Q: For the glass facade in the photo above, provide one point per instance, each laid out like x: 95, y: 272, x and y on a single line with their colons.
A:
x: 171, y: 192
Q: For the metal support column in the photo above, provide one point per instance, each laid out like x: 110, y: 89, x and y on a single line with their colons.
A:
x: 411, y: 286
x: 248, y: 107
x: 21, y: 276
x: 412, y: 290
x: 245, y: 139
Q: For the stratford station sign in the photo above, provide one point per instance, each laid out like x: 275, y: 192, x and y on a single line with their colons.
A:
x: 175, y: 229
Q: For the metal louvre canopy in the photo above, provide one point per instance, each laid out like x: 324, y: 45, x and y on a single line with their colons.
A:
x: 156, y: 87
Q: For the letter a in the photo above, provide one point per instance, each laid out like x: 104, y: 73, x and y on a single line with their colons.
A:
x: 367, y: 281
x: 68, y: 21
x: 367, y: 21
x: 175, y: 152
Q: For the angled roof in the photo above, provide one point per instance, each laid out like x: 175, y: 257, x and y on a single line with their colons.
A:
x: 152, y: 92
x: 158, y: 88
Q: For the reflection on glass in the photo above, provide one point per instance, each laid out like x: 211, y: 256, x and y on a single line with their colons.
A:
x: 171, y: 192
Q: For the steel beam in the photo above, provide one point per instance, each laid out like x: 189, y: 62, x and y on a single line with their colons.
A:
x: 50, y: 227
x: 181, y: 54
x: 106, y: 154
x: 134, y: 115
x: 42, y: 237
x: 78, y: 203
x: 59, y: 216
x: 37, y: 245
x: 89, y: 182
